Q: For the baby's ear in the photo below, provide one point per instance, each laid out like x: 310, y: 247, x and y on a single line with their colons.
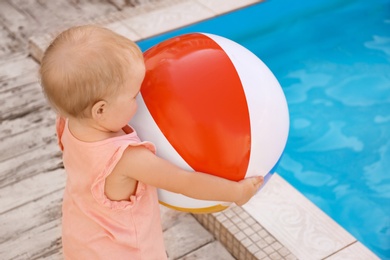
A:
x: 98, y: 109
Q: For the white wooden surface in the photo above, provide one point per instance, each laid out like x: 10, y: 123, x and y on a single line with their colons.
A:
x: 31, y: 174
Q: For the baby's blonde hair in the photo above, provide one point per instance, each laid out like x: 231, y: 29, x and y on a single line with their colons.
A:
x: 84, y: 65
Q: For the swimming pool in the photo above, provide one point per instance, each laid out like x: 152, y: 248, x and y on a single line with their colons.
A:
x: 332, y: 59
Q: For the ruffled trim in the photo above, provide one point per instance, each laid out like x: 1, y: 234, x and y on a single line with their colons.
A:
x: 97, y: 187
x: 60, y: 126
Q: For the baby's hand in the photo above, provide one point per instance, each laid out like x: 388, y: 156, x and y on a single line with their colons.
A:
x: 249, y: 187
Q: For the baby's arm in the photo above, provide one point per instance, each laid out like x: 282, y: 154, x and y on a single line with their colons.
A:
x: 142, y: 165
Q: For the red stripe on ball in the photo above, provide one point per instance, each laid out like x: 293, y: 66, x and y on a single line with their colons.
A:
x: 196, y: 98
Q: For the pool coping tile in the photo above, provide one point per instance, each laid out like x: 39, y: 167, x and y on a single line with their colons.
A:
x: 297, y: 223
x: 220, y: 7
x: 167, y: 18
x: 242, y: 235
x: 355, y: 251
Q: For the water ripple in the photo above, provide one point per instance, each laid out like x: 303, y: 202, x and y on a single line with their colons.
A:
x: 334, y: 139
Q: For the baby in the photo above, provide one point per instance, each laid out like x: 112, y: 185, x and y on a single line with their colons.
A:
x: 91, y: 76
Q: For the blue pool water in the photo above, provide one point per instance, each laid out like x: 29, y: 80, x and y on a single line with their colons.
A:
x: 332, y: 59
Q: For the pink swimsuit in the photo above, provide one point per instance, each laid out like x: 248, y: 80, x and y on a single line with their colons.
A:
x: 94, y: 227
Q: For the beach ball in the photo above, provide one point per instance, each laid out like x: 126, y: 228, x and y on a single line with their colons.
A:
x: 211, y: 105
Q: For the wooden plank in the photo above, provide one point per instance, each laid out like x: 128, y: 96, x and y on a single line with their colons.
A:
x: 14, y: 19
x: 33, y: 230
x: 71, y: 11
x: 43, y: 159
x: 17, y: 23
x: 44, y: 16
x: 22, y: 19
x: 15, y: 66
x: 20, y: 193
x: 39, y: 43
x: 8, y: 43
x: 213, y: 250
x: 75, y: 13
x: 38, y: 118
x: 55, y: 254
x: 170, y: 217
x: 21, y: 100
x: 121, y: 4
x: 16, y: 222
x: 186, y: 236
x: 95, y: 8
x: 27, y: 141
x: 33, y: 244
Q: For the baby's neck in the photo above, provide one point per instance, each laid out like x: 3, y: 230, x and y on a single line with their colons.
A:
x: 85, y: 130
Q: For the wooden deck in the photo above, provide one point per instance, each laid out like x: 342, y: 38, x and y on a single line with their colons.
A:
x: 31, y: 172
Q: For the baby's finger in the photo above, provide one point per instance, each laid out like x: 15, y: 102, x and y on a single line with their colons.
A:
x: 257, y: 181
x: 266, y: 178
